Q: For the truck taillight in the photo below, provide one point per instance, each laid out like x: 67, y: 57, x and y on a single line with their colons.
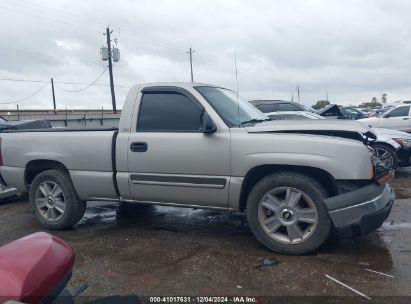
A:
x: 1, y: 156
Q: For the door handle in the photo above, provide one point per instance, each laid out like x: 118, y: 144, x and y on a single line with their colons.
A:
x: 406, y: 118
x: 138, y: 147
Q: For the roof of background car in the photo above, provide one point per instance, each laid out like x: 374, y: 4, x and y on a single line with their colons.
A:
x: 288, y: 113
x: 186, y: 85
x: 270, y: 101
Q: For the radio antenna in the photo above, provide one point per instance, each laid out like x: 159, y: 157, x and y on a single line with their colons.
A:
x: 236, y: 79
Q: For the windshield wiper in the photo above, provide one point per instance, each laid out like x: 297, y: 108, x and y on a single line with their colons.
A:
x: 253, y: 121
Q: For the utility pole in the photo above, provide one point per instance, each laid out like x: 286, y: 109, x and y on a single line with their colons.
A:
x: 191, y: 51
x: 298, y: 93
x: 54, y: 96
x: 110, y: 69
x: 327, y: 96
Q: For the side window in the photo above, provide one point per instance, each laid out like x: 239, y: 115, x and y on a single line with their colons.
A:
x: 265, y: 108
x: 288, y: 107
x: 294, y: 117
x: 275, y: 117
x: 168, y: 112
x: 401, y: 111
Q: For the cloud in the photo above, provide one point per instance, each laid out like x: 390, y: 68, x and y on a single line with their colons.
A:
x: 353, y: 50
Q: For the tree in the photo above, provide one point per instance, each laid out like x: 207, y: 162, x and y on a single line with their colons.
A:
x: 372, y: 104
x: 384, y: 98
x: 320, y: 104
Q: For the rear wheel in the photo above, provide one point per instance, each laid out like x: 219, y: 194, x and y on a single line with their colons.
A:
x: 287, y: 214
x: 54, y: 201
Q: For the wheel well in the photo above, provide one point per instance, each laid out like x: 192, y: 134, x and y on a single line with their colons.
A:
x: 257, y: 173
x: 35, y: 167
x: 383, y: 144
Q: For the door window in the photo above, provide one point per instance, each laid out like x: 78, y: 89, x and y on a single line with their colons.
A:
x: 400, y: 111
x: 168, y: 112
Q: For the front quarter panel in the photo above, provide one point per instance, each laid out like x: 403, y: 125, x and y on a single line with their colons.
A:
x: 341, y: 158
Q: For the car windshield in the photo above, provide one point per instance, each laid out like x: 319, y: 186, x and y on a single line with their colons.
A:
x: 231, y: 108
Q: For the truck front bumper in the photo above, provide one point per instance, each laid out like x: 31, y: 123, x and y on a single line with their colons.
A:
x: 360, y: 211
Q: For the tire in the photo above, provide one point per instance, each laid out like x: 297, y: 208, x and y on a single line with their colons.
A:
x: 277, y: 228
x: 381, y: 150
x: 55, y: 208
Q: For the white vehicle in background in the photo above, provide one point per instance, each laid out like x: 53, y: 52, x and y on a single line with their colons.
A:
x: 398, y: 118
x: 392, y: 147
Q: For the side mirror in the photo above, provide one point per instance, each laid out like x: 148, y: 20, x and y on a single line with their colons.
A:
x: 386, y: 116
x: 207, y: 124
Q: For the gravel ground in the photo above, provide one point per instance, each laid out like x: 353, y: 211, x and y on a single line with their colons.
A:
x: 153, y: 251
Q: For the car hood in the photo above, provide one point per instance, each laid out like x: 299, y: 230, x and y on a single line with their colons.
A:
x: 339, y: 128
x: 369, y: 119
x: 391, y: 133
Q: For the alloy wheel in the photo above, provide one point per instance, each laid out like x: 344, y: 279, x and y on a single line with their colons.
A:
x: 287, y: 215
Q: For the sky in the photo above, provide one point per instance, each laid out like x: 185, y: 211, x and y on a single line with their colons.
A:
x: 352, y: 50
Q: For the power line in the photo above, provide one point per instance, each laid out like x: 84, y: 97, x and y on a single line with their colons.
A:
x: 27, y: 97
x: 28, y: 52
x: 82, y: 89
x: 72, y: 18
x: 45, y: 17
x: 36, y: 6
x: 62, y: 82
x: 21, y: 80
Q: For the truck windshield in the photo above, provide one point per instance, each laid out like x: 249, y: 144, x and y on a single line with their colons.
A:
x: 233, y: 112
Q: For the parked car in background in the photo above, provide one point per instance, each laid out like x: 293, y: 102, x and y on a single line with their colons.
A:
x: 267, y: 106
x: 23, y: 124
x: 397, y: 118
x: 353, y: 113
x: 198, y: 145
x: 393, y: 148
x: 332, y: 111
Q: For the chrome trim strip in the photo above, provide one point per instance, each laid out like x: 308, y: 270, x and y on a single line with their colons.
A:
x: 178, y: 184
x: 179, y: 180
x: 360, y: 204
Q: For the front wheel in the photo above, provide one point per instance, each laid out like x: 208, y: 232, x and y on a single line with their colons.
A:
x: 287, y: 214
x: 54, y: 200
x: 387, y: 157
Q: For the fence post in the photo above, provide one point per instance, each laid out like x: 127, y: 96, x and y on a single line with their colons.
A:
x: 66, y: 122
x: 18, y: 113
x: 102, y: 115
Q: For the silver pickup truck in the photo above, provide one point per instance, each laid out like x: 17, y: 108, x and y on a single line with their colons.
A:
x: 197, y: 145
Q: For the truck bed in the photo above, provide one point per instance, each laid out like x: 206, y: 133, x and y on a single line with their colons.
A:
x: 88, y: 155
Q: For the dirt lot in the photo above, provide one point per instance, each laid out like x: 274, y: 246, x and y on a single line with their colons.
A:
x: 123, y: 249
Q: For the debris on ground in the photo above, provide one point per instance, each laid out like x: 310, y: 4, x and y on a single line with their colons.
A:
x: 348, y: 287
x: 381, y: 273
x: 268, y: 262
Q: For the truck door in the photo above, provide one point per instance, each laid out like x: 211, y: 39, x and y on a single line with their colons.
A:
x: 397, y: 119
x: 169, y: 159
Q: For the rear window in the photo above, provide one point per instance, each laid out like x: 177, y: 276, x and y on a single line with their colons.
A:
x: 265, y: 108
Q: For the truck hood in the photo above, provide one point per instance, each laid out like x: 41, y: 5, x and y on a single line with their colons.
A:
x: 339, y: 128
